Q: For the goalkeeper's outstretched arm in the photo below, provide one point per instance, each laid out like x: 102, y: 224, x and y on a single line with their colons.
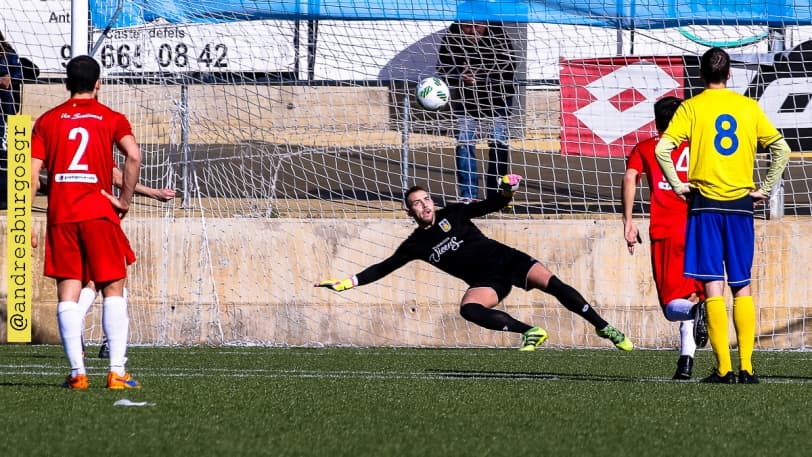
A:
x: 338, y: 285
x: 369, y: 275
x: 508, y: 186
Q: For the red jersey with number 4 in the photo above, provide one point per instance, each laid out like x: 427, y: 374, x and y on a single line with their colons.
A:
x: 75, y: 141
x: 669, y: 213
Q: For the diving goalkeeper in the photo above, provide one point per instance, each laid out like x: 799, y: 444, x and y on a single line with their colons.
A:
x: 449, y: 240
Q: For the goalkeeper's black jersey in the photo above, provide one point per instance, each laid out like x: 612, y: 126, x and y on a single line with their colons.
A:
x: 453, y: 244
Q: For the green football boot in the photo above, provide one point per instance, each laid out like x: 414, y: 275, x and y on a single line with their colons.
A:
x: 617, y: 337
x: 532, y: 338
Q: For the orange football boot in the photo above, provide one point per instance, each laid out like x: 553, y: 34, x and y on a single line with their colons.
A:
x: 116, y: 381
x: 79, y: 382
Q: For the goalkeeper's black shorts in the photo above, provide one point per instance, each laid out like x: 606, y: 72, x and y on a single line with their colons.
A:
x: 505, y: 271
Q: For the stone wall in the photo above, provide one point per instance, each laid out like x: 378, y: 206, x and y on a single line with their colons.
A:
x: 250, y: 281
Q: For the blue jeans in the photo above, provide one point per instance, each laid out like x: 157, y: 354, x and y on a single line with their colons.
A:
x: 468, y: 128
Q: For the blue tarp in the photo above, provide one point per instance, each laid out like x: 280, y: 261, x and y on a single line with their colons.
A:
x: 644, y: 14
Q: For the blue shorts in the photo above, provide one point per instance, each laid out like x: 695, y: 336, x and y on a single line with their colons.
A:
x: 718, y: 242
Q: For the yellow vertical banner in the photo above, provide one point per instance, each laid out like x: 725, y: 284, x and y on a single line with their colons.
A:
x: 18, y: 228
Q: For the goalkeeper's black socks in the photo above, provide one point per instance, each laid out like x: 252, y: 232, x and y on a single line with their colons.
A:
x: 492, y: 319
x: 574, y: 301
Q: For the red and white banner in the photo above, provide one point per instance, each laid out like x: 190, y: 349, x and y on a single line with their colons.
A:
x: 607, y: 104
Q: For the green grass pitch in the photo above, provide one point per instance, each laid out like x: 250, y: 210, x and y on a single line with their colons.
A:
x: 249, y: 401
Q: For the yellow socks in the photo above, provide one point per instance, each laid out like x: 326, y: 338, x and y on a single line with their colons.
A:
x: 744, y: 319
x: 717, y: 333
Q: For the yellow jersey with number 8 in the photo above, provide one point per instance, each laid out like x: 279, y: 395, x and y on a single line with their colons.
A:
x: 724, y: 129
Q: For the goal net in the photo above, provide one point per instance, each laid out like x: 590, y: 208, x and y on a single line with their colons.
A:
x: 290, y: 131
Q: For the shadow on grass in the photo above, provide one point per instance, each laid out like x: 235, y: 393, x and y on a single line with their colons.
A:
x: 22, y: 355
x: 590, y: 377
x: 786, y: 379
x: 55, y: 384
x: 529, y: 375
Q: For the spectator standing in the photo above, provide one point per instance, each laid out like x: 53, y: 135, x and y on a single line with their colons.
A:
x: 10, y: 74
x: 478, y: 61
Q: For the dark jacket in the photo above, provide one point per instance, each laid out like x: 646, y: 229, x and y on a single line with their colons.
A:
x: 9, y: 65
x: 492, y: 59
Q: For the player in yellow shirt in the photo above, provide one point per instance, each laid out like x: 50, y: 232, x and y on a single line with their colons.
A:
x: 724, y: 129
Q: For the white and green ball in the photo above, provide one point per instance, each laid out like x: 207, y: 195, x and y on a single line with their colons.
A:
x: 432, y: 93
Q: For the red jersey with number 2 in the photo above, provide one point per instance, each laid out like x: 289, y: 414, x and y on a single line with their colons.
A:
x: 74, y: 141
x: 669, y: 213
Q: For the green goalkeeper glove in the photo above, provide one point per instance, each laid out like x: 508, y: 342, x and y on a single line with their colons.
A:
x: 509, y: 184
x: 338, y: 285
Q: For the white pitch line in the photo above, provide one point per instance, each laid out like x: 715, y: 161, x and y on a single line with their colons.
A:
x: 372, y: 375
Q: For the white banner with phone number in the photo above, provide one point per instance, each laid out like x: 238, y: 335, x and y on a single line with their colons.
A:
x: 41, y: 31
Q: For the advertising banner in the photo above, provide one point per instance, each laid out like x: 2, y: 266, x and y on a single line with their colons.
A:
x: 607, y: 103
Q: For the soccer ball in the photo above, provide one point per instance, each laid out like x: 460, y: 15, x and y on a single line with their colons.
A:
x: 432, y: 93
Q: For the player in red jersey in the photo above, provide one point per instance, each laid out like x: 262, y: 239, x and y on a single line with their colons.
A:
x: 680, y: 297
x: 84, y: 241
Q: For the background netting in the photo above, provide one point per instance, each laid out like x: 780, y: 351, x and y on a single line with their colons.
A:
x: 290, y: 142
